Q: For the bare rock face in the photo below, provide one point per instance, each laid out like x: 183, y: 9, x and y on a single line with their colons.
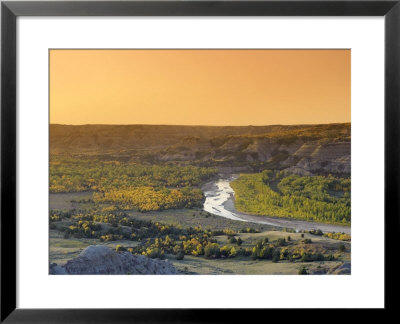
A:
x: 98, y: 259
x: 323, y: 158
x: 56, y: 269
x: 340, y: 269
x: 344, y: 269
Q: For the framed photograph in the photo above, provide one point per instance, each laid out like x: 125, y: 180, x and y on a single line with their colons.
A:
x: 197, y: 155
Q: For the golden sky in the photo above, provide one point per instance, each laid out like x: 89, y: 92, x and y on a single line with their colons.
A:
x: 199, y: 87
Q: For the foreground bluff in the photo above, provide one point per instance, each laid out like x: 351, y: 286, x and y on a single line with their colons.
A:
x: 98, y: 259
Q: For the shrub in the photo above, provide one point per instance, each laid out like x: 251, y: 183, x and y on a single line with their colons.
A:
x: 232, y: 239
x: 180, y: 255
x: 284, y: 254
x: 225, y: 251
x: 276, y: 256
x: 303, y: 271
x: 316, y: 232
x: 266, y: 176
x: 155, y: 253
x: 212, y: 251
x: 249, y: 230
x: 338, y: 236
x: 198, y: 251
x: 266, y: 253
x: 280, y: 242
x: 239, y: 241
x: 229, y: 232
x: 330, y: 257
x: 190, y: 245
x: 342, y: 247
x: 309, y: 257
x: 306, y: 257
x: 243, y: 252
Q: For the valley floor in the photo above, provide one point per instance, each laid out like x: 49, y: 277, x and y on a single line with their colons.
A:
x: 64, y: 249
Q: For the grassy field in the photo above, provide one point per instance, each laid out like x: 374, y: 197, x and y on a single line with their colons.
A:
x: 62, y: 250
x: 185, y: 217
x: 201, y: 266
x: 64, y: 201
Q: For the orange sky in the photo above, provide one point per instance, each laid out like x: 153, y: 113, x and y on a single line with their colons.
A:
x: 199, y: 87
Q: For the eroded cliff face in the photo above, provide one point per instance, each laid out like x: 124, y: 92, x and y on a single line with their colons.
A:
x: 302, y: 149
x: 319, y: 158
x: 98, y: 259
x: 303, y: 157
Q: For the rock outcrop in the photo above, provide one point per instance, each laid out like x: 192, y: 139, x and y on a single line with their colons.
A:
x: 340, y: 269
x: 99, y: 259
x: 343, y: 269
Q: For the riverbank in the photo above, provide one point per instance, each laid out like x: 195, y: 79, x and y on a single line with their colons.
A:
x: 220, y: 201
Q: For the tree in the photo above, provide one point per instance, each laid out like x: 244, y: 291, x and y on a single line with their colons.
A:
x: 225, y: 250
x: 232, y: 239
x: 199, y: 250
x: 266, y: 176
x: 276, y: 256
x: 212, y: 250
x: 266, y: 253
x: 232, y: 252
x: 281, y: 241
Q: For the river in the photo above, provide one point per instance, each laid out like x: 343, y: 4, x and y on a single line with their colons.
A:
x: 220, y: 201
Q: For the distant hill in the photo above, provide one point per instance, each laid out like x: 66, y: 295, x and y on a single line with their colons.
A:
x: 304, y: 149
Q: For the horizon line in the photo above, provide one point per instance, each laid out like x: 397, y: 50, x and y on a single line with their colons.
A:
x: 198, y: 125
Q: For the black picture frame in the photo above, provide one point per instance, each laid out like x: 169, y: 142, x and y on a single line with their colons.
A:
x: 10, y: 10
